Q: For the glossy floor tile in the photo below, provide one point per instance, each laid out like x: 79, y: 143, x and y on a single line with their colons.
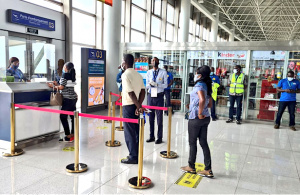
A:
x: 246, y: 159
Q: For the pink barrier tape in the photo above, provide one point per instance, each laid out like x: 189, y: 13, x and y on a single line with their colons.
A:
x: 44, y: 109
x: 114, y: 94
x: 126, y: 120
x: 155, y: 108
x: 118, y: 104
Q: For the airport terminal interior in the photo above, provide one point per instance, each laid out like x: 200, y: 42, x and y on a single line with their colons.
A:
x: 249, y: 50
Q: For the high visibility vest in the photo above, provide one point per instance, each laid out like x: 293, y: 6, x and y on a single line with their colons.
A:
x: 214, y: 94
x: 237, y: 86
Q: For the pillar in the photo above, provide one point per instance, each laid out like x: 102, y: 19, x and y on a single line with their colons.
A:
x: 214, y: 28
x: 231, y: 35
x: 185, y: 20
x: 112, y: 40
x: 67, y: 6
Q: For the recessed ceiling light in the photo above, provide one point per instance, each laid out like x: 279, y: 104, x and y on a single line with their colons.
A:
x: 223, y: 22
x: 200, y: 1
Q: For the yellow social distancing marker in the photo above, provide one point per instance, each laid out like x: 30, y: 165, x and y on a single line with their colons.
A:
x: 102, y: 127
x: 68, y: 149
x: 191, y: 180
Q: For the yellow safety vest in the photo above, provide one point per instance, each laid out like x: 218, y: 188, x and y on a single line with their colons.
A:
x: 214, y: 94
x: 237, y: 86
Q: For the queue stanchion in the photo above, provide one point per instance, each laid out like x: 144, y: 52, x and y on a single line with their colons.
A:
x: 76, y: 167
x: 13, y: 150
x: 109, y: 108
x: 120, y: 128
x: 113, y: 142
x: 140, y: 182
x: 169, y: 153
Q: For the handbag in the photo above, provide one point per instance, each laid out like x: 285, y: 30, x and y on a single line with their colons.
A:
x: 56, y: 98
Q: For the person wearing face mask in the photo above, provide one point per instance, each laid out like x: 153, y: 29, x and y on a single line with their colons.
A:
x: 156, y: 82
x: 66, y: 86
x: 13, y: 70
x: 168, y: 89
x: 237, y: 82
x: 288, y: 88
x: 119, y: 77
x: 199, y: 119
x: 215, y: 85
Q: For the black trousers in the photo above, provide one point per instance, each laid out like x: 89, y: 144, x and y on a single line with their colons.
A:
x: 291, y: 107
x: 131, y: 132
x: 213, y: 109
x: 68, y: 105
x: 157, y: 101
x: 238, y: 100
x: 198, y: 129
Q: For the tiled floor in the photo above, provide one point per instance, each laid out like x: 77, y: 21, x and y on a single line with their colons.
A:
x: 247, y: 159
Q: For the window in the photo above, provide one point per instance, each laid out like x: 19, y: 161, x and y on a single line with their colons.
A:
x: 155, y: 26
x: 197, y: 30
x: 170, y: 14
x: 138, y: 18
x: 140, y: 3
x: 155, y: 40
x: 122, y: 34
x: 191, y: 26
x: 84, y: 29
x: 137, y: 36
x: 170, y: 32
x: 190, y: 38
x: 204, y: 34
x: 123, y: 13
x: 85, y: 5
x: 197, y: 39
x: 48, y: 4
x: 156, y: 7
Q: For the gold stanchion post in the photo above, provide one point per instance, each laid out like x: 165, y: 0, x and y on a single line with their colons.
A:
x: 140, y: 182
x: 169, y: 153
x: 121, y: 128
x: 76, y: 167
x: 109, y: 108
x: 13, y: 151
x: 113, y: 142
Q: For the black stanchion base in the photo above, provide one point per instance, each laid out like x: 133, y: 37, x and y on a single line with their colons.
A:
x: 16, y: 153
x: 114, y: 144
x: 119, y: 128
x: 81, y: 168
x: 146, y: 183
x: 106, y: 121
x: 164, y: 154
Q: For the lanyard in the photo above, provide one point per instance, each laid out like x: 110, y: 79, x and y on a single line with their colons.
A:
x: 155, y: 75
x: 289, y: 84
x: 236, y: 77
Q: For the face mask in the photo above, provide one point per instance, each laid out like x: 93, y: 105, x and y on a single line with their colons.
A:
x: 211, y: 74
x: 196, y: 78
x: 15, y: 67
x: 290, y: 78
x: 235, y: 71
x: 63, y: 71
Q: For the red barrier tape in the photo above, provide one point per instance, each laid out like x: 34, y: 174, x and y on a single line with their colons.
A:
x: 126, y: 120
x: 114, y: 94
x: 155, y: 108
x: 44, y: 109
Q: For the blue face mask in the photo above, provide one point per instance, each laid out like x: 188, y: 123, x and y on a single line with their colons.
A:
x: 211, y: 73
x: 63, y: 71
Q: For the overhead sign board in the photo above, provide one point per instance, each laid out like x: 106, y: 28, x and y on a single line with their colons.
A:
x: 268, y: 55
x: 25, y: 19
x: 242, y: 55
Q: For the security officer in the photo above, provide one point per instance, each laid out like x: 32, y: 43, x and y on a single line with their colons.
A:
x: 236, y: 91
x: 215, y: 85
x: 168, y: 89
x: 156, y: 82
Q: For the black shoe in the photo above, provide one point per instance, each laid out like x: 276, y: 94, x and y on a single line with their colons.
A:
x: 214, y: 119
x: 229, y: 120
x: 128, y: 161
x: 150, y: 139
x: 158, y: 141
x: 238, y: 122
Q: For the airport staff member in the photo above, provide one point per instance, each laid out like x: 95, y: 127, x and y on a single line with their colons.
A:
x: 119, y: 77
x: 13, y: 70
x: 168, y: 89
x: 237, y: 82
x: 288, y: 88
x: 156, y: 82
x: 132, y: 99
x: 215, y: 85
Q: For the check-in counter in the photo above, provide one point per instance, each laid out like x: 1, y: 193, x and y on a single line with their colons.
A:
x: 29, y: 123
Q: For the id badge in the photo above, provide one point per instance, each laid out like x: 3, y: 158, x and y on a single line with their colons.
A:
x: 153, y: 92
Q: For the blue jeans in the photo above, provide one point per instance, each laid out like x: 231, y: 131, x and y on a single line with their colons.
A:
x: 238, y: 100
x: 291, y: 107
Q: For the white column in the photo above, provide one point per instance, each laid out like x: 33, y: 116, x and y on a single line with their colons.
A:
x: 231, y: 35
x: 112, y: 40
x: 185, y: 20
x: 214, y: 28
x: 67, y: 5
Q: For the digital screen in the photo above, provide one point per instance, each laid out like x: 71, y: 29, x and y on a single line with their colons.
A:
x: 96, y: 91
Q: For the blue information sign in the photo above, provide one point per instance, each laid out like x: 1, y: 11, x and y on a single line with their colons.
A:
x: 97, y: 54
x: 30, y: 20
x: 96, y: 66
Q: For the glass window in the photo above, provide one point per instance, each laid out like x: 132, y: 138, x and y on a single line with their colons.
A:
x: 197, y: 30
x: 85, y: 5
x: 3, y: 64
x: 170, y: 32
x: 190, y: 38
x: 191, y: 26
x: 155, y: 40
x: 204, y: 33
x: 84, y: 29
x: 155, y: 26
x: 137, y: 36
x: 17, y: 48
x: 170, y: 14
x: 123, y: 13
x: 140, y: 3
x: 47, y: 4
x: 197, y: 39
x: 122, y: 34
x: 138, y: 18
x: 156, y: 6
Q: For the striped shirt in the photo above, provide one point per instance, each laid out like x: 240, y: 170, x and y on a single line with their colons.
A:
x: 68, y: 92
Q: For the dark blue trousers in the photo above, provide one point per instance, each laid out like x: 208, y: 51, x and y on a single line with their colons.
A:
x: 131, y: 132
x: 213, y: 109
x: 291, y: 107
x: 238, y: 100
x: 158, y: 101
x: 168, y: 97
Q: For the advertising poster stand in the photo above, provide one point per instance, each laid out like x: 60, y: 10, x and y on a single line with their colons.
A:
x: 93, y: 83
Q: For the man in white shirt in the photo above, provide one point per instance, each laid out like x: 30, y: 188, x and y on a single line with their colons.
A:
x: 156, y: 82
x: 133, y: 95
